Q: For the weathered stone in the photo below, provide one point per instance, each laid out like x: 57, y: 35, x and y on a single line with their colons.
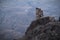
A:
x: 44, y: 28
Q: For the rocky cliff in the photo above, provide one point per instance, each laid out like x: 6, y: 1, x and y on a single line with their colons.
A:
x: 44, y: 28
x: 49, y: 31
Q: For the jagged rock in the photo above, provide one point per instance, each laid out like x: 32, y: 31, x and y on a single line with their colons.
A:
x: 50, y: 31
x: 41, y: 21
x: 43, y: 28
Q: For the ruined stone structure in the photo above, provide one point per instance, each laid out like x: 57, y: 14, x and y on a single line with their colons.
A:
x: 43, y: 28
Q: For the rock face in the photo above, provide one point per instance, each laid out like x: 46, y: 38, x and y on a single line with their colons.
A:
x: 44, y: 28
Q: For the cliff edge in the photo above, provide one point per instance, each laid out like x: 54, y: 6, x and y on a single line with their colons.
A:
x: 43, y: 28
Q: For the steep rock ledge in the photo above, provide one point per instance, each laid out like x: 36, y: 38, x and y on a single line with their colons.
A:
x: 43, y: 28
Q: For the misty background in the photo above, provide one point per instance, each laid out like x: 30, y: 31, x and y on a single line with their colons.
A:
x: 16, y: 15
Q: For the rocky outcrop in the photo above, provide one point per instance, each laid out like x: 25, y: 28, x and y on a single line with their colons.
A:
x: 41, y: 21
x: 48, y: 31
x: 44, y: 28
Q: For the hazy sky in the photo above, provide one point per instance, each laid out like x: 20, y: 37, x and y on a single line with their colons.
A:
x: 16, y: 15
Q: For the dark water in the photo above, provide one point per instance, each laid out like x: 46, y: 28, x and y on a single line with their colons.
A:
x: 16, y: 15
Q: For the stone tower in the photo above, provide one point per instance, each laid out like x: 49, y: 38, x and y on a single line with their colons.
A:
x: 39, y: 13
